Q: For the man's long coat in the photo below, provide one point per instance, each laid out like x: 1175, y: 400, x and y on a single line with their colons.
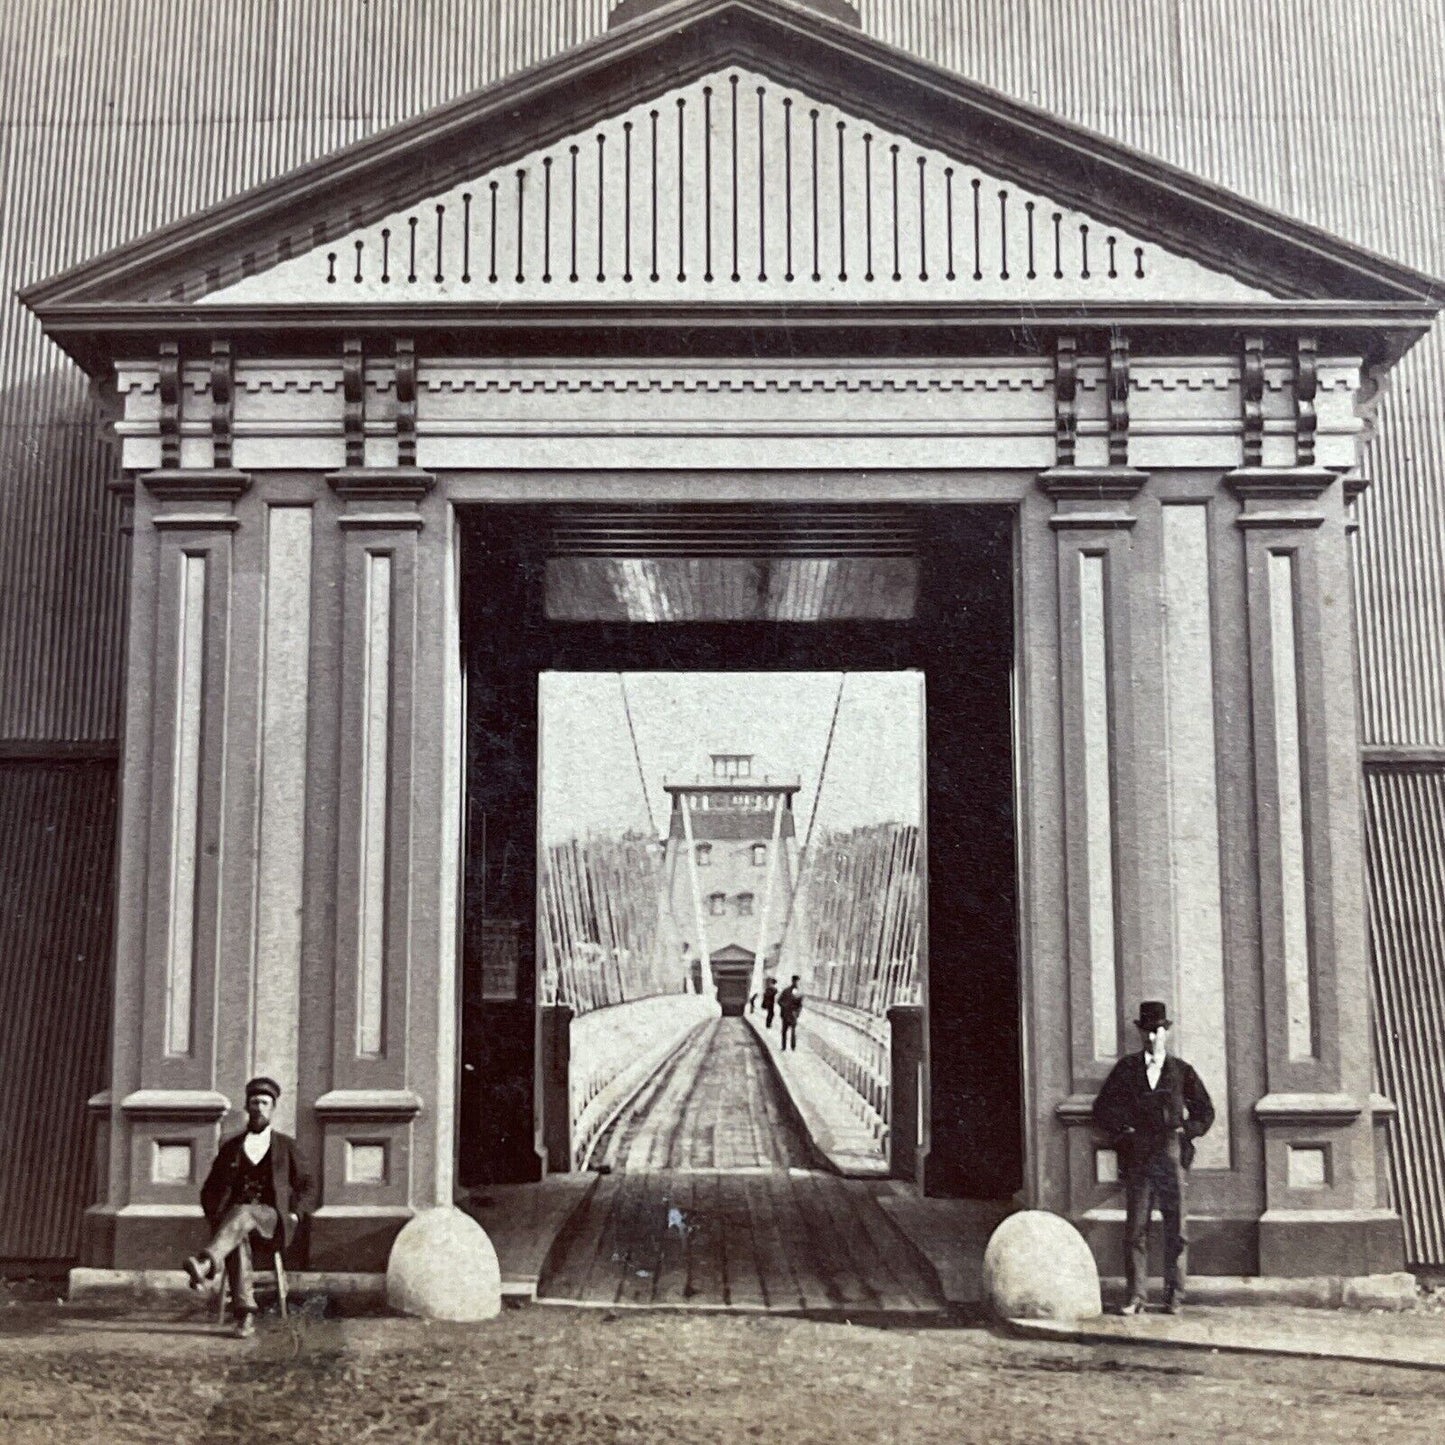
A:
x: 289, y: 1175
x: 1141, y: 1121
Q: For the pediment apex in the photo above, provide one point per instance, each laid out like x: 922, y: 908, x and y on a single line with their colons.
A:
x: 799, y: 51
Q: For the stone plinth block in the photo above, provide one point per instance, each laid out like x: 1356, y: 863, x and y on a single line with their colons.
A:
x: 1038, y: 1267
x: 1380, y: 1292
x: 443, y: 1267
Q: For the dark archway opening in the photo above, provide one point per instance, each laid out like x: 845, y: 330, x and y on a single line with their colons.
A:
x: 960, y: 635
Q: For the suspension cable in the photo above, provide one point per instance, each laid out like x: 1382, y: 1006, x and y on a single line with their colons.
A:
x: 804, y: 854
x: 637, y: 754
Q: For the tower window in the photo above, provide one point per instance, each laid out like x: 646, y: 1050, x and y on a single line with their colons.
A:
x: 760, y: 855
x: 745, y: 905
x: 717, y: 904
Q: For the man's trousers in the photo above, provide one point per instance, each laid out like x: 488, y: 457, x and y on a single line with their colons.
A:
x: 1156, y: 1181
x: 230, y: 1249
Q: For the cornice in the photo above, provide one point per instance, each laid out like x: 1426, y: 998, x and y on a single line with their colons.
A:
x: 97, y: 335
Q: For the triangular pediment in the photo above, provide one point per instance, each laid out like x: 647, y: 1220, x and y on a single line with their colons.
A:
x: 730, y: 155
x: 734, y: 188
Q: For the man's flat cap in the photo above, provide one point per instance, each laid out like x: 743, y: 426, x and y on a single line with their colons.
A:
x: 263, y: 1085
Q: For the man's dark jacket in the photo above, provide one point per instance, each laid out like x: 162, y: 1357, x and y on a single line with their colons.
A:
x: 290, y: 1179
x: 1141, y: 1121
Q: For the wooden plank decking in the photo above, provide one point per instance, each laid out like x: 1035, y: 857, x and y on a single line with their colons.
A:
x: 711, y: 1202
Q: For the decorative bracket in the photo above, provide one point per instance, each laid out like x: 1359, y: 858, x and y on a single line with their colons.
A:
x: 170, y: 395
x: 353, y: 379
x: 1306, y: 388
x: 1066, y: 392
x: 1118, y: 400
x: 1251, y: 392
x: 405, y: 401
x: 223, y: 410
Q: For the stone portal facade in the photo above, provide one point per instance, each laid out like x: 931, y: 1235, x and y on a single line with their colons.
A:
x: 725, y: 254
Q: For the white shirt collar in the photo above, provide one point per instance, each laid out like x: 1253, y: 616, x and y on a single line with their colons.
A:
x: 257, y: 1144
x: 1154, y: 1067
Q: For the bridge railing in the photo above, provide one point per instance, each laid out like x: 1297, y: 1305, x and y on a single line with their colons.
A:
x: 594, y: 1064
x: 853, y: 938
x: 855, y: 1047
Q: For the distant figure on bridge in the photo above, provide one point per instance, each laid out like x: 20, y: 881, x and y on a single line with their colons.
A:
x: 790, y: 1005
x: 770, y: 1000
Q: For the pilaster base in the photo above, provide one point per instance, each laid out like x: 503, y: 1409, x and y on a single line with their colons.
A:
x: 97, y: 1237
x: 355, y: 1238
x: 157, y: 1236
x: 1218, y: 1245
x: 1281, y: 1244
x: 1295, y: 1242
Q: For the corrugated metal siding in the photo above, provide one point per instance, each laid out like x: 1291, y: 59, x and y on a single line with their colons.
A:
x: 1406, y: 812
x: 57, y: 858
x: 115, y: 118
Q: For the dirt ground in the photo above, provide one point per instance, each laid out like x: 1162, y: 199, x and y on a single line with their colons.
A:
x: 563, y: 1375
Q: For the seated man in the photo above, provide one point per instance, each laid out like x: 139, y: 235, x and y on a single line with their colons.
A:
x: 258, y: 1185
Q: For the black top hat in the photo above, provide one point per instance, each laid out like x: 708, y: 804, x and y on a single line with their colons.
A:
x: 1152, y: 1014
x: 263, y: 1085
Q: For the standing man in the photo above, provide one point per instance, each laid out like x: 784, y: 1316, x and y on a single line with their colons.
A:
x: 770, y: 1000
x: 790, y: 1005
x: 1153, y: 1107
x: 258, y: 1185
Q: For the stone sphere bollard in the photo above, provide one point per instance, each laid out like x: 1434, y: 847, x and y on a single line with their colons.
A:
x: 1038, y: 1267
x: 443, y: 1267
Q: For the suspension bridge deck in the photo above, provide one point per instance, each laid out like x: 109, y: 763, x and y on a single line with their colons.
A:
x: 714, y: 1105
x: 712, y: 1201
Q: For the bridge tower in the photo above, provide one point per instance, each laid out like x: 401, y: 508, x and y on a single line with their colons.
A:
x: 728, y: 870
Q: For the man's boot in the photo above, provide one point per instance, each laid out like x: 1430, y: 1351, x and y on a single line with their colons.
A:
x: 245, y: 1324
x: 199, y: 1268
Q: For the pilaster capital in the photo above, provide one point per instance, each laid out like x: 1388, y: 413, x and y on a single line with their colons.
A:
x: 196, y: 484
x: 123, y: 489
x: 381, y: 484
x: 1092, y: 498
x: 371, y: 1105
x: 1306, y: 1109
x: 382, y: 497
x: 1076, y: 1109
x: 197, y: 1105
x: 196, y: 499
x: 1279, y: 484
x: 1279, y: 497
